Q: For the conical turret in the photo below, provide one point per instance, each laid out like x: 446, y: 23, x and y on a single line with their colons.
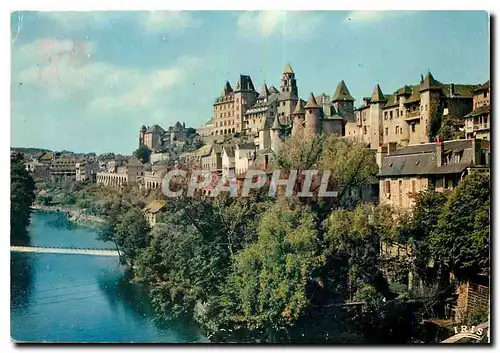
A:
x: 342, y: 93
x: 312, y: 118
x: 377, y: 96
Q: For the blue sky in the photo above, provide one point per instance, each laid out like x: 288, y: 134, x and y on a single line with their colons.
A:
x: 87, y: 81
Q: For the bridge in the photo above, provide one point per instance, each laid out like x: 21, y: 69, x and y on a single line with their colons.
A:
x: 63, y: 250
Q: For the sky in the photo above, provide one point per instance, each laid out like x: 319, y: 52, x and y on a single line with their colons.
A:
x: 87, y: 81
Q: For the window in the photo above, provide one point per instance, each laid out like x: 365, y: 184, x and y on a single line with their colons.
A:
x: 387, y: 186
x: 458, y: 156
x: 412, y: 127
x: 386, y: 131
x: 485, y: 94
x: 400, y: 193
x: 397, y: 113
x: 401, y: 131
x: 390, y: 114
x: 397, y: 130
x: 445, y: 105
x: 364, y: 130
x: 426, y: 107
x: 485, y: 120
x: 385, y: 115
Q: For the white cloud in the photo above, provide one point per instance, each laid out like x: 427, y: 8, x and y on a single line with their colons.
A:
x: 47, y: 65
x: 165, y: 21
x: 151, y: 21
x: 290, y: 24
x: 372, y: 16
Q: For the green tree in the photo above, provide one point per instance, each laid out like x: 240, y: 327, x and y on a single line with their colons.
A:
x: 131, y: 233
x: 143, y: 153
x: 461, y: 239
x: 22, y: 196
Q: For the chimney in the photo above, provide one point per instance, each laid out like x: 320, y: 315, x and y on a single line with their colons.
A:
x: 391, y: 147
x: 381, y: 153
x: 452, y: 90
x: 439, y: 151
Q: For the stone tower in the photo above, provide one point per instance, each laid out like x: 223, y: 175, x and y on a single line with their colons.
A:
x: 312, y: 118
x: 430, y: 91
x: 377, y: 102
x: 288, y: 81
x: 298, y: 119
x: 276, y: 139
x: 244, y: 97
x: 343, y: 102
x: 141, y: 135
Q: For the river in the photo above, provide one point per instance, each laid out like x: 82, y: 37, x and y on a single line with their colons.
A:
x: 81, y: 298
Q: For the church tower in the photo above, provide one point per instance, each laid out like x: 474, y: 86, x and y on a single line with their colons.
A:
x: 343, y: 102
x: 288, y: 81
x: 312, y: 118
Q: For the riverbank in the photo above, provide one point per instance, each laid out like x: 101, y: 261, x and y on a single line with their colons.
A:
x: 75, y: 214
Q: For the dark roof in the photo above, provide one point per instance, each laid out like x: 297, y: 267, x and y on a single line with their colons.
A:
x: 246, y: 146
x: 299, y: 108
x: 377, y: 95
x: 273, y: 89
x: 155, y: 128
x: 282, y: 96
x: 392, y: 100
x: 227, y: 89
x: 485, y: 109
x: 429, y: 83
x: 229, y: 150
x: 484, y: 87
x: 134, y: 162
x: 421, y: 159
x: 404, y: 91
x: 311, y: 102
x: 415, y: 96
x: 342, y: 93
x: 244, y: 84
x: 143, y: 128
x: 276, y: 124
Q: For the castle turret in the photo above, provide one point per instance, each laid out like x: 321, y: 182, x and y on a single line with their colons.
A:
x: 276, y: 139
x: 298, y: 119
x: 343, y: 102
x: 312, y: 118
x: 377, y: 102
x: 142, y: 131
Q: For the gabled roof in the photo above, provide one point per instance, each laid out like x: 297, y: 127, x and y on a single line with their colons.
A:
x: 429, y: 83
x: 288, y: 69
x: 178, y: 126
x: 342, y: 93
x: 311, y: 102
x: 485, y: 109
x: 377, y: 95
x: 244, y: 84
x: 299, y: 108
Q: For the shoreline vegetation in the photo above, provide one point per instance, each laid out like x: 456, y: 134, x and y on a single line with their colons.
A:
x: 300, y: 270
x: 74, y: 214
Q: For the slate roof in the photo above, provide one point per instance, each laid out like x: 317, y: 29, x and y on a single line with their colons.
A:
x: 342, y: 93
x: 273, y: 90
x: 276, y: 124
x: 484, y: 87
x: 377, y: 95
x: 311, y: 102
x: 299, y: 108
x: 485, y: 109
x: 264, y: 92
x: 134, y: 162
x: 244, y: 84
x: 421, y: 159
x: 246, y: 146
x: 430, y: 83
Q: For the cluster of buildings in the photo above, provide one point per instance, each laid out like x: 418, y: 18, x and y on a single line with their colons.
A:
x: 157, y: 139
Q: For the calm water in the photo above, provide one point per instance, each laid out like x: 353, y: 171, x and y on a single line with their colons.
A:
x: 80, y: 298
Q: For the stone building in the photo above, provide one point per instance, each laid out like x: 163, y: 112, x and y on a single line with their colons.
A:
x: 63, y: 167
x: 152, y: 210
x: 130, y: 173
x: 157, y: 139
x: 86, y: 170
x: 404, y: 117
x: 477, y: 122
x: 439, y: 165
x: 227, y: 160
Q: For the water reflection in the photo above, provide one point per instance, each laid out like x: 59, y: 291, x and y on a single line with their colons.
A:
x: 21, y: 279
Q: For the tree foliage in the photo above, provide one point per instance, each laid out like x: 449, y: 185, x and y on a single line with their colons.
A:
x: 143, y: 153
x: 22, y: 195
